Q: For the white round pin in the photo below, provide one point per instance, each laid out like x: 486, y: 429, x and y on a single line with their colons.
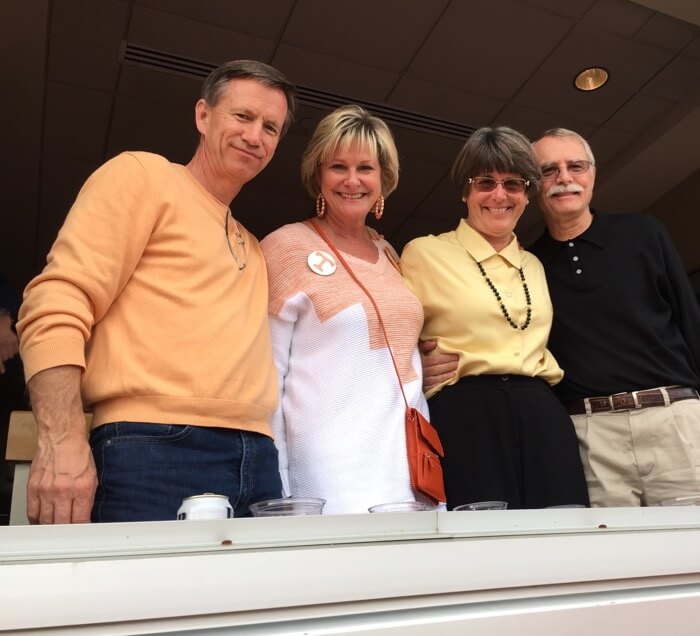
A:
x: 321, y: 263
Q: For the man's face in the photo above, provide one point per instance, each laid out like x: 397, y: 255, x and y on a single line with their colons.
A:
x: 241, y: 131
x: 567, y: 192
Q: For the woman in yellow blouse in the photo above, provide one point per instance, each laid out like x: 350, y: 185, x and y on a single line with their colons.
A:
x: 506, y: 436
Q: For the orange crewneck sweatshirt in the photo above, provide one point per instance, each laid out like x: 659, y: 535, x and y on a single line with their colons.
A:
x: 142, y: 291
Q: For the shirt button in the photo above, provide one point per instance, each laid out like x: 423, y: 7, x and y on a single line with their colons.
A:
x: 575, y: 258
x: 571, y: 243
x: 578, y: 271
x: 516, y: 354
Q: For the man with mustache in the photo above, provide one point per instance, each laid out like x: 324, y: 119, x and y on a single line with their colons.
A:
x: 625, y: 331
x: 152, y: 313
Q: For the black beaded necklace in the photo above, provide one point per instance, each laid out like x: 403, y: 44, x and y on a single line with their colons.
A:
x: 511, y: 322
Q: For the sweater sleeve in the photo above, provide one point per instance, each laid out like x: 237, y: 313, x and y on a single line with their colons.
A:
x: 93, y: 257
x: 283, y: 318
x: 281, y: 332
x: 681, y: 297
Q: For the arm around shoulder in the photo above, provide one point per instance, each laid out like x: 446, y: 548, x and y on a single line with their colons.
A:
x: 412, y: 266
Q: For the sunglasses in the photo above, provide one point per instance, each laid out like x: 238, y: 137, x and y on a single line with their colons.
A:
x: 552, y: 170
x: 511, y: 185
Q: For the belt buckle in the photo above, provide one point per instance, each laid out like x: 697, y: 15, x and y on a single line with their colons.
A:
x: 635, y: 400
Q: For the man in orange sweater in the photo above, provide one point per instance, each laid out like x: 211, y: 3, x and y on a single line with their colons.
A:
x: 152, y: 313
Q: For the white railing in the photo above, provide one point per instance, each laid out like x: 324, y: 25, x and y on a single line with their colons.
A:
x: 574, y: 571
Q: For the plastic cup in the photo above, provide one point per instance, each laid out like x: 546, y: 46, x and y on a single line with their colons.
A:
x: 482, y: 505
x: 400, y: 506
x: 685, y: 500
x: 288, y: 507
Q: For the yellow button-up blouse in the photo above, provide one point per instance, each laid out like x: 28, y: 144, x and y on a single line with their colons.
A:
x: 462, y: 313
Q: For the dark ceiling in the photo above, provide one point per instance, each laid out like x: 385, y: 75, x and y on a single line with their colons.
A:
x: 84, y: 79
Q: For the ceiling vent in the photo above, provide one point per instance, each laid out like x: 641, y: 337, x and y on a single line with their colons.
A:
x: 167, y: 62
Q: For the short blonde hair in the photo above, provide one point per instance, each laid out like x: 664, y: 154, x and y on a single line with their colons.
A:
x: 345, y: 127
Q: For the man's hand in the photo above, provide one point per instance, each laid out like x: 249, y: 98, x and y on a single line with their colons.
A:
x: 437, y: 367
x: 62, y: 478
x: 62, y: 483
x: 9, y: 345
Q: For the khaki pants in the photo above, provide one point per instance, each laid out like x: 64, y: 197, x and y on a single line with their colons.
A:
x: 643, y: 456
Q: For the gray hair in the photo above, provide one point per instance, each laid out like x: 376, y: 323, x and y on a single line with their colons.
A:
x: 500, y: 149
x: 345, y: 127
x: 565, y: 132
x: 267, y: 75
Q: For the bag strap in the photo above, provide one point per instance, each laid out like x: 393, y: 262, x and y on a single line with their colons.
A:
x: 335, y: 251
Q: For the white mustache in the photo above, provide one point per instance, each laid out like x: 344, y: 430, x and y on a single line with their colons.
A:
x: 560, y: 189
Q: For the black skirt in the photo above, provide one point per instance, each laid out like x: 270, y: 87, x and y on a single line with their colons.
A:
x: 507, y: 438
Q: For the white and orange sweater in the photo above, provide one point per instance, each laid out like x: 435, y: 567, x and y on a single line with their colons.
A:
x: 340, y: 424
x: 141, y: 290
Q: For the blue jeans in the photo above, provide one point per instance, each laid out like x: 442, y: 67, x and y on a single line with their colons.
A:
x: 146, y: 470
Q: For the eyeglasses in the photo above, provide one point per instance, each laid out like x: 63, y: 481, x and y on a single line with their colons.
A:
x: 552, y: 170
x: 240, y: 242
x: 512, y: 185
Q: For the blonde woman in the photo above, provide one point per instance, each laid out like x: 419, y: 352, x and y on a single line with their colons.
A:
x: 339, y: 427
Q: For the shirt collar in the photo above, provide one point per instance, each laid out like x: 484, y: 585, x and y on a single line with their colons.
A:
x: 480, y: 249
x: 596, y: 234
x: 598, y: 231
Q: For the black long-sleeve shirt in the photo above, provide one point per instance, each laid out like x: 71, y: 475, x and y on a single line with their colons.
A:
x: 625, y: 315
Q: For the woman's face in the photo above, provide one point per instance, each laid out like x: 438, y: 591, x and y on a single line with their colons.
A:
x: 351, y: 182
x: 495, y: 214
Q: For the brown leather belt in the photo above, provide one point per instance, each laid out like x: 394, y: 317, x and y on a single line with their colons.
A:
x: 662, y: 396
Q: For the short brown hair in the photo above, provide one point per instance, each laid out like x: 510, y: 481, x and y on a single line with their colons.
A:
x: 500, y: 148
x: 216, y: 82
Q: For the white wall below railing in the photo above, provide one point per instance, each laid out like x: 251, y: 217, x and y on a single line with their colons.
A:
x: 574, y: 571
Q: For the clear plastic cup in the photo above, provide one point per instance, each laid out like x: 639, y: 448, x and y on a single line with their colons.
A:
x: 685, y: 500
x: 482, y: 505
x: 400, y: 506
x: 288, y: 507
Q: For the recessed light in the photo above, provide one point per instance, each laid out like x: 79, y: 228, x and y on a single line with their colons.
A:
x: 591, y: 79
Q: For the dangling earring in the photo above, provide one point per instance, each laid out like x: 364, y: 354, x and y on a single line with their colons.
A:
x: 379, y: 208
x: 320, y: 205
